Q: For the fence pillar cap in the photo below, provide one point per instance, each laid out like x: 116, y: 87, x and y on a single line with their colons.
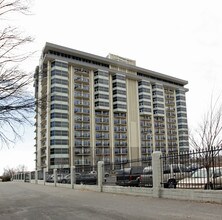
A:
x: 100, y: 162
x: 157, y: 153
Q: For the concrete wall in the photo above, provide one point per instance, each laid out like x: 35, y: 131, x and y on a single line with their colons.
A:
x: 179, y: 194
x: 157, y: 191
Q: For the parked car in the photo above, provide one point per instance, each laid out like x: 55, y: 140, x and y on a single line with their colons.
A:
x: 67, y: 178
x: 106, y: 174
x: 50, y: 178
x: 198, y: 180
x: 146, y: 179
x: 93, y: 172
x: 172, y: 173
x: 128, y: 176
x: 194, y: 166
x: 88, y: 179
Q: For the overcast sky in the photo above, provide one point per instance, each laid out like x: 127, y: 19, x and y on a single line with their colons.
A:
x: 181, y: 38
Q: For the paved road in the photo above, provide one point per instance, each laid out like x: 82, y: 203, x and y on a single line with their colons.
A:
x: 25, y: 201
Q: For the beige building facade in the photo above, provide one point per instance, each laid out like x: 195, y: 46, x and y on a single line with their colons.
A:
x: 97, y: 108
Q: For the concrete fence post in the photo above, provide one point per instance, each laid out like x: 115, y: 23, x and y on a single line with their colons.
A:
x: 100, y: 175
x: 30, y: 177
x: 44, y: 176
x: 55, y: 176
x: 36, y: 176
x: 73, y: 176
x: 157, y: 169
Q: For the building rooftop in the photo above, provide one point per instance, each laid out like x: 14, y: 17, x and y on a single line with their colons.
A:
x: 114, y: 60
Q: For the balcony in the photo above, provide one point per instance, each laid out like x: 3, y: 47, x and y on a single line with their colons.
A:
x: 119, y: 152
x: 82, y: 152
x: 171, y: 103
x: 102, y: 153
x: 120, y: 144
x: 169, y: 97
x: 83, y: 163
x: 81, y: 79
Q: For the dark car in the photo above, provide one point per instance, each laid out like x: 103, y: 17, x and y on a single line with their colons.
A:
x: 194, y: 166
x: 50, y: 178
x: 128, y: 176
x: 67, y: 178
x: 88, y: 179
x: 172, y: 173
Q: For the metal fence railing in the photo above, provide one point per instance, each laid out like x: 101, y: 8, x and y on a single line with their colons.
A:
x: 127, y: 172
x: 198, y: 169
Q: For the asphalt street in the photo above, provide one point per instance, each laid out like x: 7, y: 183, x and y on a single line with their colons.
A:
x: 25, y: 201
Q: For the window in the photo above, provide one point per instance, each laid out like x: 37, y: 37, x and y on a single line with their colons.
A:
x: 59, y: 98
x: 119, y: 99
x: 59, y: 142
x: 158, y: 93
x: 182, y: 121
x: 156, y: 86
x: 59, y: 89
x: 100, y: 73
x: 101, y: 81
x: 145, y: 110
x: 58, y: 133
x: 119, y: 84
x: 59, y: 115
x: 59, y: 81
x: 57, y: 72
x: 158, y: 105
x: 158, y: 112
x: 181, y: 98
x: 144, y: 96
x: 59, y: 64
x: 59, y: 151
x: 120, y: 92
x: 119, y: 106
x: 59, y: 107
x: 104, y: 104
x: 181, y: 115
x: 120, y: 77
x: 183, y: 109
x: 102, y: 89
x: 145, y: 90
x: 59, y: 124
x: 180, y: 92
x: 158, y: 99
x: 145, y: 83
x: 141, y: 103
x: 182, y: 126
x: 59, y: 161
x: 101, y: 96
x: 181, y: 103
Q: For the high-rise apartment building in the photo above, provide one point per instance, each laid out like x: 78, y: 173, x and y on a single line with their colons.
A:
x: 95, y: 108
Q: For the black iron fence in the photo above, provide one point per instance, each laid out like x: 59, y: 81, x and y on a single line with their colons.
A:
x: 197, y: 169
x: 126, y: 173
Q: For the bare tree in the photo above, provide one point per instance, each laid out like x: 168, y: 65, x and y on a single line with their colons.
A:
x: 207, y: 138
x: 21, y: 168
x: 16, y: 101
x: 8, y: 173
